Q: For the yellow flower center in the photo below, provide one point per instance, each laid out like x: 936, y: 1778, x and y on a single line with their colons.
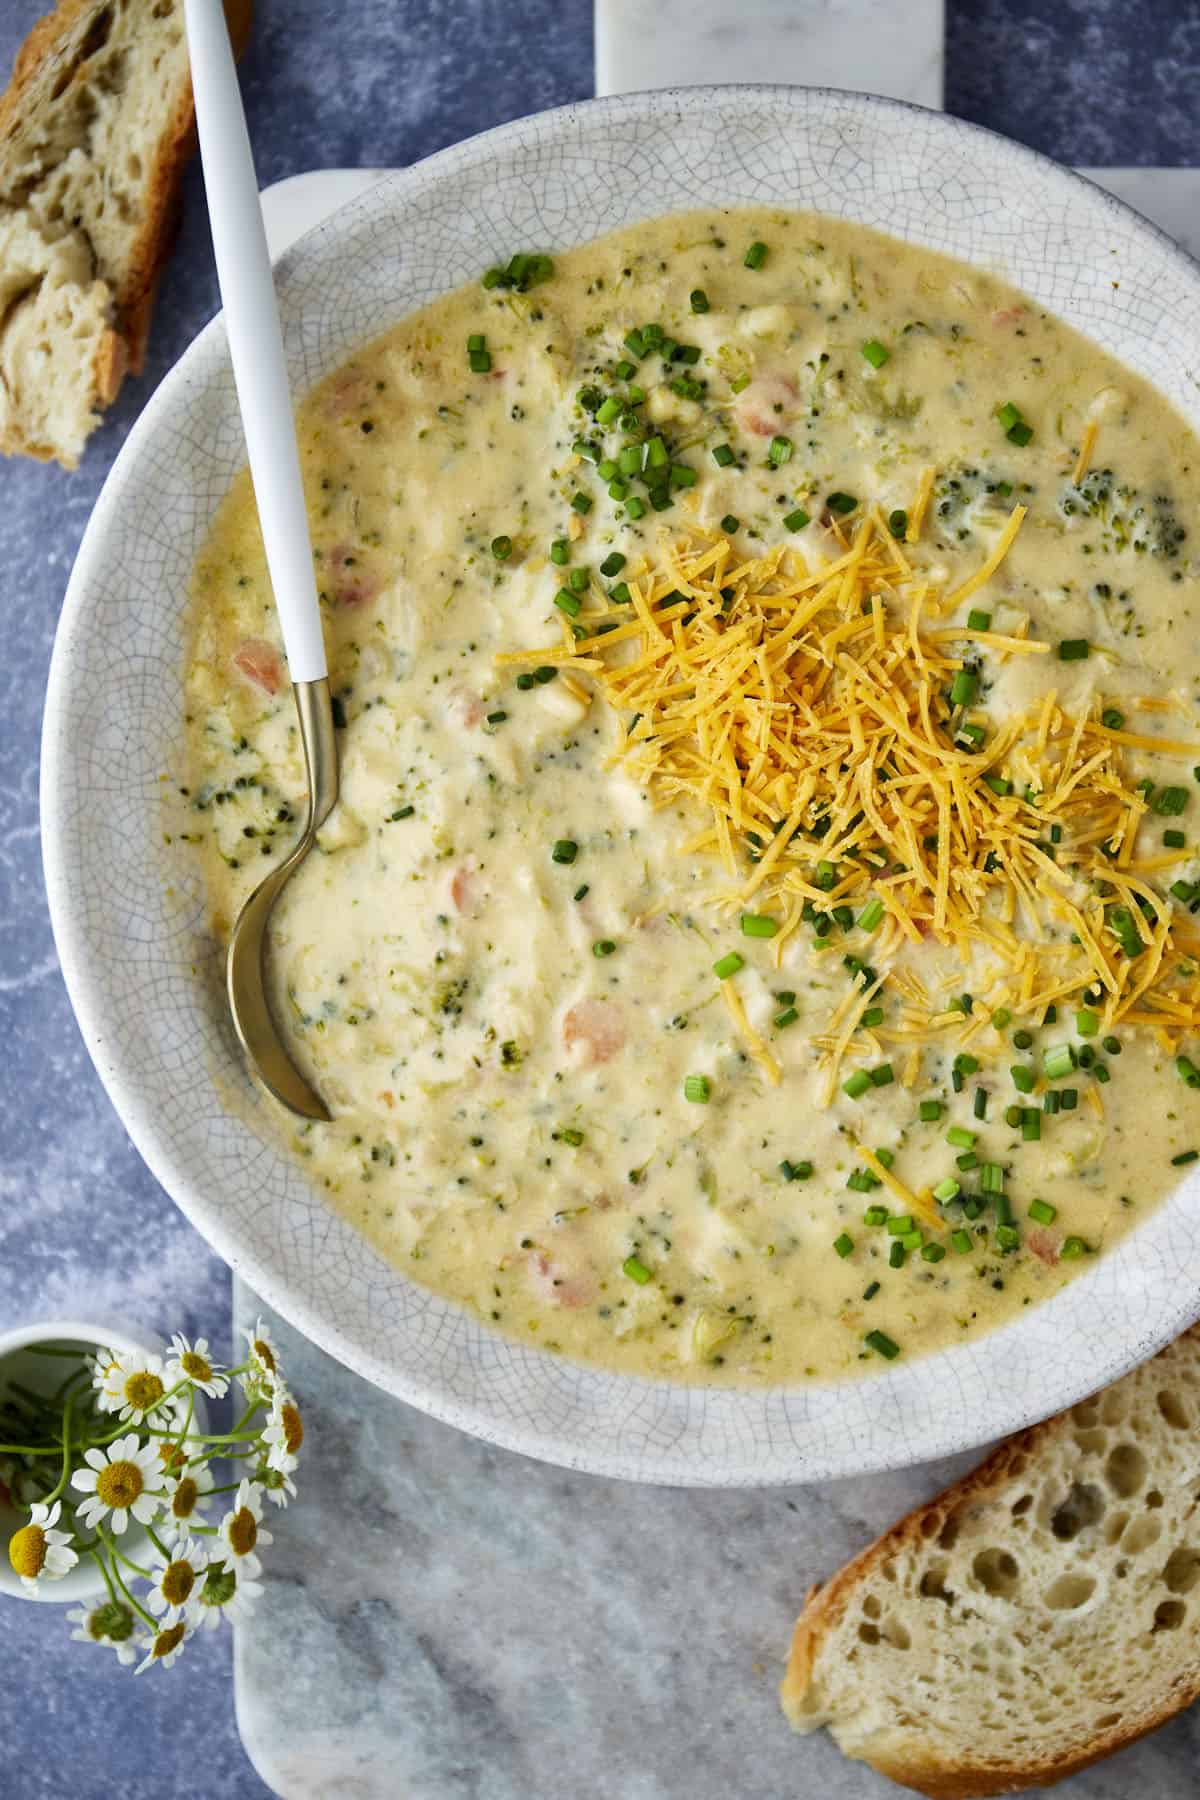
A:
x: 172, y: 1456
x: 169, y: 1640
x: 143, y: 1390
x: 183, y: 1501
x: 178, y: 1580
x: 243, y: 1531
x: 293, y: 1429
x: 198, y: 1367
x: 119, y: 1485
x: 27, y: 1550
x: 264, y: 1354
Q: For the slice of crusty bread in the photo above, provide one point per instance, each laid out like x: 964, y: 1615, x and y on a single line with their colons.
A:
x: 1039, y: 1614
x: 95, y: 129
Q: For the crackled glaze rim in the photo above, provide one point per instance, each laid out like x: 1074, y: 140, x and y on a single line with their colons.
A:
x: 1119, y: 1312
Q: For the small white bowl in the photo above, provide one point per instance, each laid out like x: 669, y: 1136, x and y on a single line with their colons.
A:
x: 129, y: 911
x: 85, y: 1584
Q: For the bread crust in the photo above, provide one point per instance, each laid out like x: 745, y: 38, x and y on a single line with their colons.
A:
x: 122, y: 349
x: 827, y: 1603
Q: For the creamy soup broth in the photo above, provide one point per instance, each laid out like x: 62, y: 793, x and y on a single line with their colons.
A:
x: 499, y: 966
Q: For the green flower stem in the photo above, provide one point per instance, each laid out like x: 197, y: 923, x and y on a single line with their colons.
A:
x: 137, y: 1606
x: 120, y: 1556
x: 61, y: 1483
x: 158, y: 1543
x: 103, y: 1568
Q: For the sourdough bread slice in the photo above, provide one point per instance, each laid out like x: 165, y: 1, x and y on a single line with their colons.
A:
x: 1039, y: 1614
x: 95, y: 129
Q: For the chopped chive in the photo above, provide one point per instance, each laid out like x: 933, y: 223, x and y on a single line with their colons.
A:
x: 875, y: 1215
x: 875, y: 353
x: 966, y: 1162
x: 779, y: 451
x: 843, y: 1244
x: 795, y: 521
x: 795, y: 1171
x: 980, y: 1103
x: 947, y: 1190
x: 933, y: 1252
x: 787, y: 1017
x: 755, y: 256
x: 978, y: 620
x: 883, y: 1076
x: 581, y: 893
x: 730, y: 523
x: 565, y: 850
x: 1073, y: 1247
x: 479, y: 362
x: 871, y: 915
x: 635, y: 343
x: 1008, y: 414
x: 1042, y: 1213
x: 1068, y: 1099
x: 882, y: 1344
x: 581, y: 503
x: 963, y: 688
x: 1020, y: 433
x: 758, y: 925
x: 1058, y: 1061
x: 568, y: 603
x: 1170, y: 800
x: 1022, y: 1039
x: 840, y: 503
x: 612, y: 565
x: 577, y: 581
x: 961, y: 1241
x: 610, y: 411
x: 1007, y: 1237
x: 603, y: 947
x: 545, y: 672
x: 496, y: 718
x: 501, y: 548
x: 1121, y: 921
x: 1050, y: 1102
x: 1185, y: 1156
x: 960, y: 1137
x: 872, y: 1017
x: 856, y: 1085
x: 560, y: 552
x: 636, y: 1270
x: 896, y: 1255
x: 930, y: 1111
x: 870, y: 1291
x: 697, y: 1088
x: 723, y: 455
x: 900, y: 1225
x: 1174, y: 840
x: 1074, y: 650
x: 991, y: 1178
x: 698, y: 300
x: 728, y: 965
x: 1087, y: 1023
x: 1112, y: 718
x: 572, y: 1137
x: 898, y: 522
x: 1188, y: 1071
x: 1013, y: 1116
x: 912, y: 1240
x: 999, y: 786
x: 1031, y: 1125
x: 1023, y: 1078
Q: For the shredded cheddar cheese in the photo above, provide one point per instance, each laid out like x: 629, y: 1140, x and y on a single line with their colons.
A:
x: 809, y: 712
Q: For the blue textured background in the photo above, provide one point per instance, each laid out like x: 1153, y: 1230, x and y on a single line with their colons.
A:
x: 83, y: 1226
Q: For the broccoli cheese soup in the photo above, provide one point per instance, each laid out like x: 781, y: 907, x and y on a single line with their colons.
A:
x: 754, y: 939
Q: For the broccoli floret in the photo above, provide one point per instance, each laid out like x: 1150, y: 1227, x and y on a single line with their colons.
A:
x: 1128, y: 518
x: 968, y: 496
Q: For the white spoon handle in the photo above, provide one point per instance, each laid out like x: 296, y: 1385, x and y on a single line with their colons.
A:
x: 255, y: 345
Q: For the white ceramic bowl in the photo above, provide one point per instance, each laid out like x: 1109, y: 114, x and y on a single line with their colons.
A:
x: 129, y: 913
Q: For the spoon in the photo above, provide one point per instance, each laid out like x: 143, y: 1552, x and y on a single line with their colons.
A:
x: 260, y: 374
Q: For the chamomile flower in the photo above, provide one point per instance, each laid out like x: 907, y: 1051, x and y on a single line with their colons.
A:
x: 186, y: 1499
x: 284, y: 1432
x: 111, y: 1624
x: 133, y: 1384
x: 123, y: 1481
x: 191, y: 1362
x: 175, y: 1579
x: 277, y: 1485
x: 164, y: 1645
x: 241, y: 1531
x: 223, y: 1594
x: 264, y: 1373
x: 39, y: 1553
